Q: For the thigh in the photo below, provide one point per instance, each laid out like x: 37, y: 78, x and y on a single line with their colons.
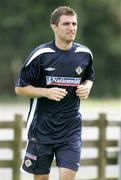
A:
x: 66, y: 174
x: 38, y: 158
x: 68, y: 155
x: 41, y: 177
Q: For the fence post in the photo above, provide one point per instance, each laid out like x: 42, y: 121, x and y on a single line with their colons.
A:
x: 17, y: 147
x: 119, y: 156
x: 102, y: 147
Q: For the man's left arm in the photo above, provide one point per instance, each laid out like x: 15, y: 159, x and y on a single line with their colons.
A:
x: 84, y: 89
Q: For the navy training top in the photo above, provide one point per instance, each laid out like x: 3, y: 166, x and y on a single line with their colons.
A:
x: 47, y: 66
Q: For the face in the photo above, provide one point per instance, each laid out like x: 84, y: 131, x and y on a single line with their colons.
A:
x: 66, y: 28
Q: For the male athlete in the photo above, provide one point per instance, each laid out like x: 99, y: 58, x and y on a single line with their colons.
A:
x: 55, y: 76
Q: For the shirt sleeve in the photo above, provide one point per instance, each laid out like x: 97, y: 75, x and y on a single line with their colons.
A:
x: 89, y: 73
x: 29, y: 75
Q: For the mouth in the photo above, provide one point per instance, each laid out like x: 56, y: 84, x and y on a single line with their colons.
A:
x: 71, y: 34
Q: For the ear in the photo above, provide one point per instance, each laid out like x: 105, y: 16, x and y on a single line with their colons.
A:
x: 54, y: 27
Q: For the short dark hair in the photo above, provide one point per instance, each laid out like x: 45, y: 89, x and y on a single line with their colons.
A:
x: 61, y: 10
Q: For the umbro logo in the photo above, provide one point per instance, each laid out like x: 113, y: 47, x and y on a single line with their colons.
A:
x: 49, y: 69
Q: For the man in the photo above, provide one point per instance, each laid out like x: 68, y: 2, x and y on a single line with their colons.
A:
x: 56, y: 75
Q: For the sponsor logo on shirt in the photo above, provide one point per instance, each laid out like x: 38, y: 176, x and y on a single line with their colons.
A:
x: 63, y: 81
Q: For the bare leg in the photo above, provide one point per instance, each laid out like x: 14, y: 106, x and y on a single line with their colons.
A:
x: 66, y: 174
x: 41, y: 177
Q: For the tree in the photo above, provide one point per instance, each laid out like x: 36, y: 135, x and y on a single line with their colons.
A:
x: 101, y: 31
x: 25, y: 24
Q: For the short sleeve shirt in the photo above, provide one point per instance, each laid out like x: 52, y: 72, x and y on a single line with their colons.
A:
x: 47, y: 66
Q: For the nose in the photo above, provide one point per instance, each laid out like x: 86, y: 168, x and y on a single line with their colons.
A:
x: 71, y: 26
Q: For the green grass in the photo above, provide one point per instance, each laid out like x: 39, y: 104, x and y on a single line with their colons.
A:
x: 102, y: 101
x: 12, y: 99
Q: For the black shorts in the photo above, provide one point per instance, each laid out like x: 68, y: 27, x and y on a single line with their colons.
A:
x: 38, y: 157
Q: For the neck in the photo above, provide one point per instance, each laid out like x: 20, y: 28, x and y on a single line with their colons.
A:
x: 63, y: 44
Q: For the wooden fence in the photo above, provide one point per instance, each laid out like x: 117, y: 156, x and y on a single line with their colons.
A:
x: 103, y: 159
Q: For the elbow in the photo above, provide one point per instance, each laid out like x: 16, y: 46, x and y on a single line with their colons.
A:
x: 17, y: 90
x: 23, y: 91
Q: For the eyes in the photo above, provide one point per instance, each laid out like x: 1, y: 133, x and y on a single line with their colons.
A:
x: 68, y: 24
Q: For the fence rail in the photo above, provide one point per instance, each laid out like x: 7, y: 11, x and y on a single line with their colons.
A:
x: 103, y: 159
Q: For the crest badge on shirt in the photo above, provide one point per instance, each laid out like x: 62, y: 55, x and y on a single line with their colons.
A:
x: 78, y: 70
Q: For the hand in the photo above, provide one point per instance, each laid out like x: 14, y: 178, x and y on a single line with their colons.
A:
x: 56, y: 94
x: 83, y: 90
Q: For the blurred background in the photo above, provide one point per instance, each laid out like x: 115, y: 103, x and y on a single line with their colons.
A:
x: 25, y: 24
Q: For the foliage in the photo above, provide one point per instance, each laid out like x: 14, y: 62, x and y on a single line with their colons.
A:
x: 25, y: 24
x: 102, y: 32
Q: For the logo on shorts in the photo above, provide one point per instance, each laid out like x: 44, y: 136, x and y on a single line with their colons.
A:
x: 31, y: 156
x: 77, y: 164
x: 28, y: 163
x: 79, y: 70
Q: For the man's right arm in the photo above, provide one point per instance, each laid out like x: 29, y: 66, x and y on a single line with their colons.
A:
x: 37, y: 92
